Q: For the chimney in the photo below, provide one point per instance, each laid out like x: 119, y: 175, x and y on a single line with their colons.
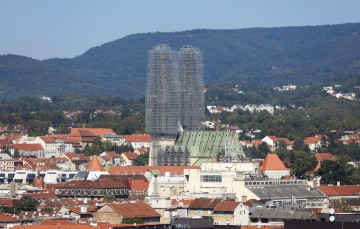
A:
x: 83, y: 208
x: 217, y: 127
x: 338, y: 183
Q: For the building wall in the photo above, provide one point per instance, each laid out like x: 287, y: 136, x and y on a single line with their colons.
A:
x: 276, y: 174
x: 107, y: 214
x: 232, y: 179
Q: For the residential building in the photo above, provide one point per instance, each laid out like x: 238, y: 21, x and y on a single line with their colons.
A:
x: 314, y: 143
x: 54, y: 146
x: 274, y: 142
x: 231, y: 213
x: 26, y: 150
x: 92, y: 189
x: 6, y: 162
x: 273, y: 168
x: 138, y: 140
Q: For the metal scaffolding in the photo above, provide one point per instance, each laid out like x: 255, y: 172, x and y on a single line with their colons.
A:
x: 174, y: 98
x: 191, y: 75
x: 162, y: 100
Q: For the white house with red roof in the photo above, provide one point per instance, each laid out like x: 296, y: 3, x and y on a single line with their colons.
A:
x: 273, y: 168
x: 54, y: 145
x: 273, y: 142
x: 26, y: 150
x: 313, y: 143
x: 138, y: 140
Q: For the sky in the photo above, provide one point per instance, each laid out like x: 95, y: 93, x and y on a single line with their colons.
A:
x: 44, y: 29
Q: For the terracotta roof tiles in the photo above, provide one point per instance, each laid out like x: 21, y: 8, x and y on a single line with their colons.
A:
x: 312, y: 140
x: 95, y: 164
x: 138, y: 138
x: 91, y: 131
x: 343, y: 190
x: 325, y: 156
x: 272, y: 162
x: 226, y: 206
x: 131, y: 210
x: 28, y: 147
x: 204, y: 203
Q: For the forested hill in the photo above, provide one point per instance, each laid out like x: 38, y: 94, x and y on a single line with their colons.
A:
x: 275, y: 56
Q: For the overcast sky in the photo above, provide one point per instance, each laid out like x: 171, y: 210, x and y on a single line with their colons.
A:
x: 45, y: 29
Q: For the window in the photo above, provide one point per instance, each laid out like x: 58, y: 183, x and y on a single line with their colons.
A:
x: 199, y: 211
x: 211, y: 178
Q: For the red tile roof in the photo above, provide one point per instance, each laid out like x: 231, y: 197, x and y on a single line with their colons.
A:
x: 317, y: 167
x: 132, y: 210
x: 92, y: 131
x: 6, y: 202
x: 272, y: 137
x: 138, y: 184
x: 312, y: 140
x: 343, y: 190
x: 41, y: 195
x: 7, y: 218
x: 95, y: 165
x: 56, y: 222
x: 111, y: 154
x: 287, y: 141
x: 226, y: 206
x: 129, y: 156
x: 204, y: 203
x: 124, y: 170
x: 138, y: 138
x: 181, y: 203
x: 28, y: 147
x: 89, y: 210
x: 272, y: 162
x: 325, y: 156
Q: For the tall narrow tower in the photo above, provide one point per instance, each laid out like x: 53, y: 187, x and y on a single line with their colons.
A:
x: 162, y: 99
x: 192, y: 97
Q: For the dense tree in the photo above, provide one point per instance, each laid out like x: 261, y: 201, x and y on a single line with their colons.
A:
x: 334, y: 171
x: 16, y: 154
x: 142, y: 159
x: 109, y: 198
x: 302, y: 164
x: 132, y: 220
x: 341, y: 205
x: 25, y: 203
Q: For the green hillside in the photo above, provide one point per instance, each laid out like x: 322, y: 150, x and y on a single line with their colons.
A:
x: 274, y: 56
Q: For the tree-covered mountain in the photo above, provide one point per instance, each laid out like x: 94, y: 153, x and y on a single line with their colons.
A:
x: 275, y: 56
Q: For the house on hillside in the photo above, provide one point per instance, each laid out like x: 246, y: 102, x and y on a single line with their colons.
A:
x: 314, y: 143
x: 274, y: 142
